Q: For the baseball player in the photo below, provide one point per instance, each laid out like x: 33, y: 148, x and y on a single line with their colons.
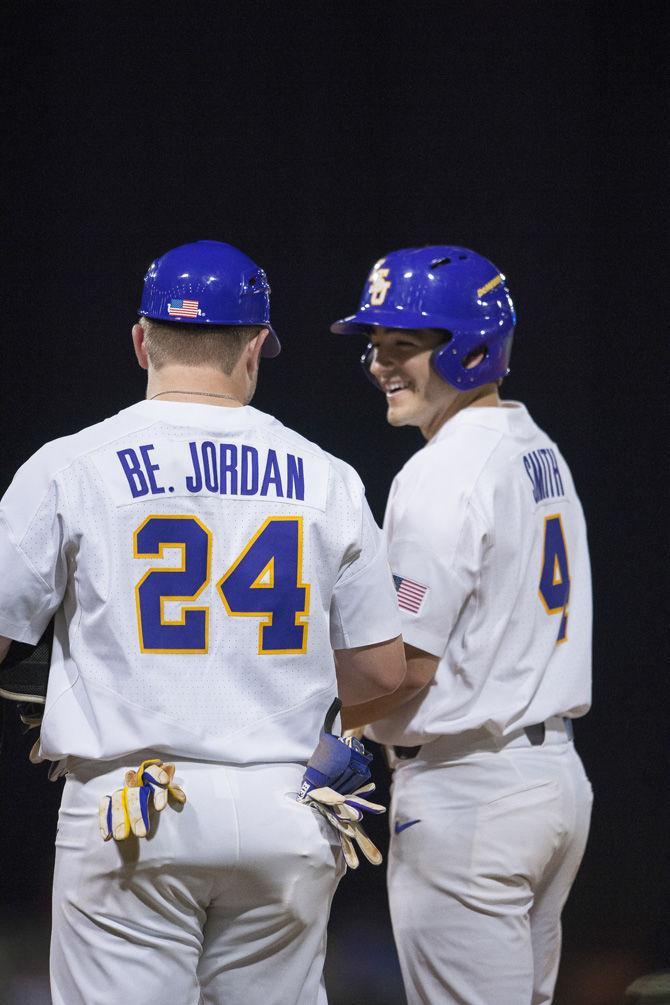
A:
x: 216, y: 580
x: 490, y: 803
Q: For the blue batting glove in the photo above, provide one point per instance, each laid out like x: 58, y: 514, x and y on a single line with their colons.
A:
x: 337, y: 763
x: 335, y: 783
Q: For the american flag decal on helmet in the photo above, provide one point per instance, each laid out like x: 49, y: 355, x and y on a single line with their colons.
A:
x: 410, y: 594
x: 183, y: 308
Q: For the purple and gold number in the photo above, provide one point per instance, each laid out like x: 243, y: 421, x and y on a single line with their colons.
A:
x: 184, y: 628
x: 266, y: 582
x: 555, y: 577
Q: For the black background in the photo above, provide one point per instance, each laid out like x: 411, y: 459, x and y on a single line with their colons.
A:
x: 316, y: 138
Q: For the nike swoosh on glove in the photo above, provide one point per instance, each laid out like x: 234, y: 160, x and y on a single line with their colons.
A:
x: 127, y: 810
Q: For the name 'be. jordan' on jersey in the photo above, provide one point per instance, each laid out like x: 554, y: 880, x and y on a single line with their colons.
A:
x: 488, y: 548
x: 203, y: 563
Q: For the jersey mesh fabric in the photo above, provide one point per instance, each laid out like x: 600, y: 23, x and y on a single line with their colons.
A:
x: 67, y: 527
x: 467, y: 524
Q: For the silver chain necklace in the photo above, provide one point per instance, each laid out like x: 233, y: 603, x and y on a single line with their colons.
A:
x: 202, y: 394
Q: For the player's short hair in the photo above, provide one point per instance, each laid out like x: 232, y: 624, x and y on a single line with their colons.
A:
x: 218, y: 346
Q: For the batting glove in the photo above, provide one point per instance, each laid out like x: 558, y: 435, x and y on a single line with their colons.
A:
x: 126, y: 811
x: 335, y: 783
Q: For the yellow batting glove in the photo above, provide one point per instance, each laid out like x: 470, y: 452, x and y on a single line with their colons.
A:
x: 127, y: 810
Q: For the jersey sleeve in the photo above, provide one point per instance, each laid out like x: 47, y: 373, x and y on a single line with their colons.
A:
x: 32, y: 555
x: 436, y: 539
x: 363, y: 608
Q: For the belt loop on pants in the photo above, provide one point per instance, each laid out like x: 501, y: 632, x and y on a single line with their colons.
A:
x: 536, y: 734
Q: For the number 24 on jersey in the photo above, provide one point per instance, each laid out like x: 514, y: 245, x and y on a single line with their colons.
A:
x: 264, y: 582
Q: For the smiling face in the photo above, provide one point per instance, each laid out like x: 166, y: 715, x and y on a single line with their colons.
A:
x: 415, y: 394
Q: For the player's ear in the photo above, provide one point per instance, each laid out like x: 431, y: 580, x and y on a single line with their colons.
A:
x: 253, y: 351
x: 139, y: 346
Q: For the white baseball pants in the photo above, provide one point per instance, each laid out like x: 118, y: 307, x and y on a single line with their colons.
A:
x: 485, y: 846
x: 226, y: 901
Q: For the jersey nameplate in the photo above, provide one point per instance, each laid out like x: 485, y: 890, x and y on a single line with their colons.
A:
x: 544, y: 474
x: 236, y: 470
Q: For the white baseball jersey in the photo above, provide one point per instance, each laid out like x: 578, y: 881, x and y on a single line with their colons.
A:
x: 487, y: 544
x: 203, y: 562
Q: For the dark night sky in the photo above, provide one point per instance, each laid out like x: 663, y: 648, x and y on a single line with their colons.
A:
x: 316, y: 138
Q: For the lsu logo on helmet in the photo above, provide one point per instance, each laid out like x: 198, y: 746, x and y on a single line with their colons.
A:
x: 379, y: 284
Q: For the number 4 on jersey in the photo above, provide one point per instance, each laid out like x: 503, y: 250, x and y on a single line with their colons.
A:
x: 264, y: 583
x: 555, y: 577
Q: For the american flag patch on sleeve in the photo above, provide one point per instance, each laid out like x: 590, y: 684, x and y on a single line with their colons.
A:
x: 410, y: 594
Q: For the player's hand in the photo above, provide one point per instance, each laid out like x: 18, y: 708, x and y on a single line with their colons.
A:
x: 336, y: 780
x: 357, y: 733
x: 127, y: 810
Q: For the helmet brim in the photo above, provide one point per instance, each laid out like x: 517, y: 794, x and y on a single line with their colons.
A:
x: 361, y: 322
x: 272, y: 345
x: 364, y: 321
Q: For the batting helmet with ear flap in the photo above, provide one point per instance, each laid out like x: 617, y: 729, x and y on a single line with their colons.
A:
x: 448, y: 288
x: 209, y: 283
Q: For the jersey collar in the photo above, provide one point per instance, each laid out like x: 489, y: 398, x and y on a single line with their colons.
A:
x: 186, y: 413
x: 505, y: 417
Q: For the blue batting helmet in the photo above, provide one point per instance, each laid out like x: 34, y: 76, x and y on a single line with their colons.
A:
x: 448, y: 288
x: 209, y: 283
